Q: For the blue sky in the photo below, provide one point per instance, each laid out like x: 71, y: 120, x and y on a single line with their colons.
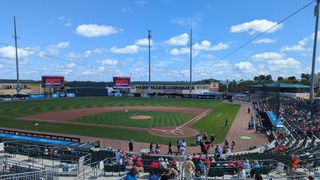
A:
x: 96, y: 39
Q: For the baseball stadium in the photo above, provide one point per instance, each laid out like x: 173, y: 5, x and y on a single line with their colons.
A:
x: 166, y: 106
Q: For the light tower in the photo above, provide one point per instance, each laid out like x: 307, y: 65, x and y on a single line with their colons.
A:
x: 314, y: 54
x: 18, y: 88
x: 190, y: 86
x: 149, y: 39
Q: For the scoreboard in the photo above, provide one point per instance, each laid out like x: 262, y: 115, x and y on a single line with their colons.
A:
x: 121, y: 82
x: 52, y: 81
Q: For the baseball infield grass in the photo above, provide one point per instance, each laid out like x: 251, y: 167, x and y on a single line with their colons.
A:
x: 120, y: 118
x: 213, y: 122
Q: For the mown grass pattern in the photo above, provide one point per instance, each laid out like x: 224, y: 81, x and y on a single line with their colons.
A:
x: 122, y: 118
x: 9, y: 111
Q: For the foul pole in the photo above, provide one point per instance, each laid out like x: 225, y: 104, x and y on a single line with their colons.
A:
x: 316, y: 13
x: 16, y: 48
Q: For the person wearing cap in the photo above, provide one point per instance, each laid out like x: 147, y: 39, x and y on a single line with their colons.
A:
x: 189, y: 169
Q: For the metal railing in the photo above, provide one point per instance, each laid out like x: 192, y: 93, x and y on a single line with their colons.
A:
x: 39, y: 175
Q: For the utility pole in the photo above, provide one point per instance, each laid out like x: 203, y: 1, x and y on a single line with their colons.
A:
x: 190, y: 87
x: 316, y: 13
x: 16, y: 47
x: 149, y: 38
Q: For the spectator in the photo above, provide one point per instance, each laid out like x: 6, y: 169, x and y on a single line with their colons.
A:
x: 174, y: 174
x: 131, y: 145
x: 295, y: 160
x: 169, y: 148
x: 153, y: 176
x: 182, y: 150
x: 139, y: 164
x: 188, y: 169
x: 200, y: 169
x: 256, y: 165
x: 129, y: 164
x: 233, y: 146
x: 153, y: 165
x: 166, y: 175
x: 228, y: 152
x: 118, y: 157
x: 157, y: 148
x: 218, y: 151
x: 162, y: 163
x: 150, y: 147
x: 132, y: 175
x: 247, y: 166
x: 212, y: 139
x: 241, y: 173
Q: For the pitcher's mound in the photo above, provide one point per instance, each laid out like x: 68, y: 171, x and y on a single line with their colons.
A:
x: 141, y: 117
x: 173, y: 132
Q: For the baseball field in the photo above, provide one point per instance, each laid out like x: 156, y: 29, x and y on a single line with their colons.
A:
x: 140, y: 119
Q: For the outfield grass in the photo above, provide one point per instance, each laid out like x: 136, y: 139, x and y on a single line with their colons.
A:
x: 9, y: 111
x: 121, y: 118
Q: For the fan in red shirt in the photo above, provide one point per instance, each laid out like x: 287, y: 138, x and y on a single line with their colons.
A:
x: 153, y: 165
x: 139, y: 163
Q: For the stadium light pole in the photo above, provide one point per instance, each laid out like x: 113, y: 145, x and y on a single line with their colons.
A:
x: 190, y: 87
x: 316, y: 13
x: 149, y: 39
x: 16, y: 48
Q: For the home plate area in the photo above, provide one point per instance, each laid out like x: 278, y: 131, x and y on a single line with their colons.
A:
x: 173, y: 132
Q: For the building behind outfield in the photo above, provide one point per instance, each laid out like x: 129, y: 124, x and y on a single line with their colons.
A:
x: 8, y: 87
x: 174, y: 87
x: 282, y: 89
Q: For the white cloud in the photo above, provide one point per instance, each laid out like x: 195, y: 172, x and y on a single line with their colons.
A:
x: 83, y: 55
x: 244, y: 66
x: 255, y: 26
x: 265, y: 41
x: 284, y: 63
x: 8, y: 52
x: 66, y: 21
x: 131, y: 49
x: 299, y: 47
x: 206, y: 46
x: 267, y: 55
x: 70, y: 65
x: 197, y: 47
x: 141, y: 2
x: 54, y: 49
x: 192, y: 22
x: 143, y: 42
x: 95, y: 30
x: 176, y: 51
x: 180, y: 40
x: 109, y: 62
